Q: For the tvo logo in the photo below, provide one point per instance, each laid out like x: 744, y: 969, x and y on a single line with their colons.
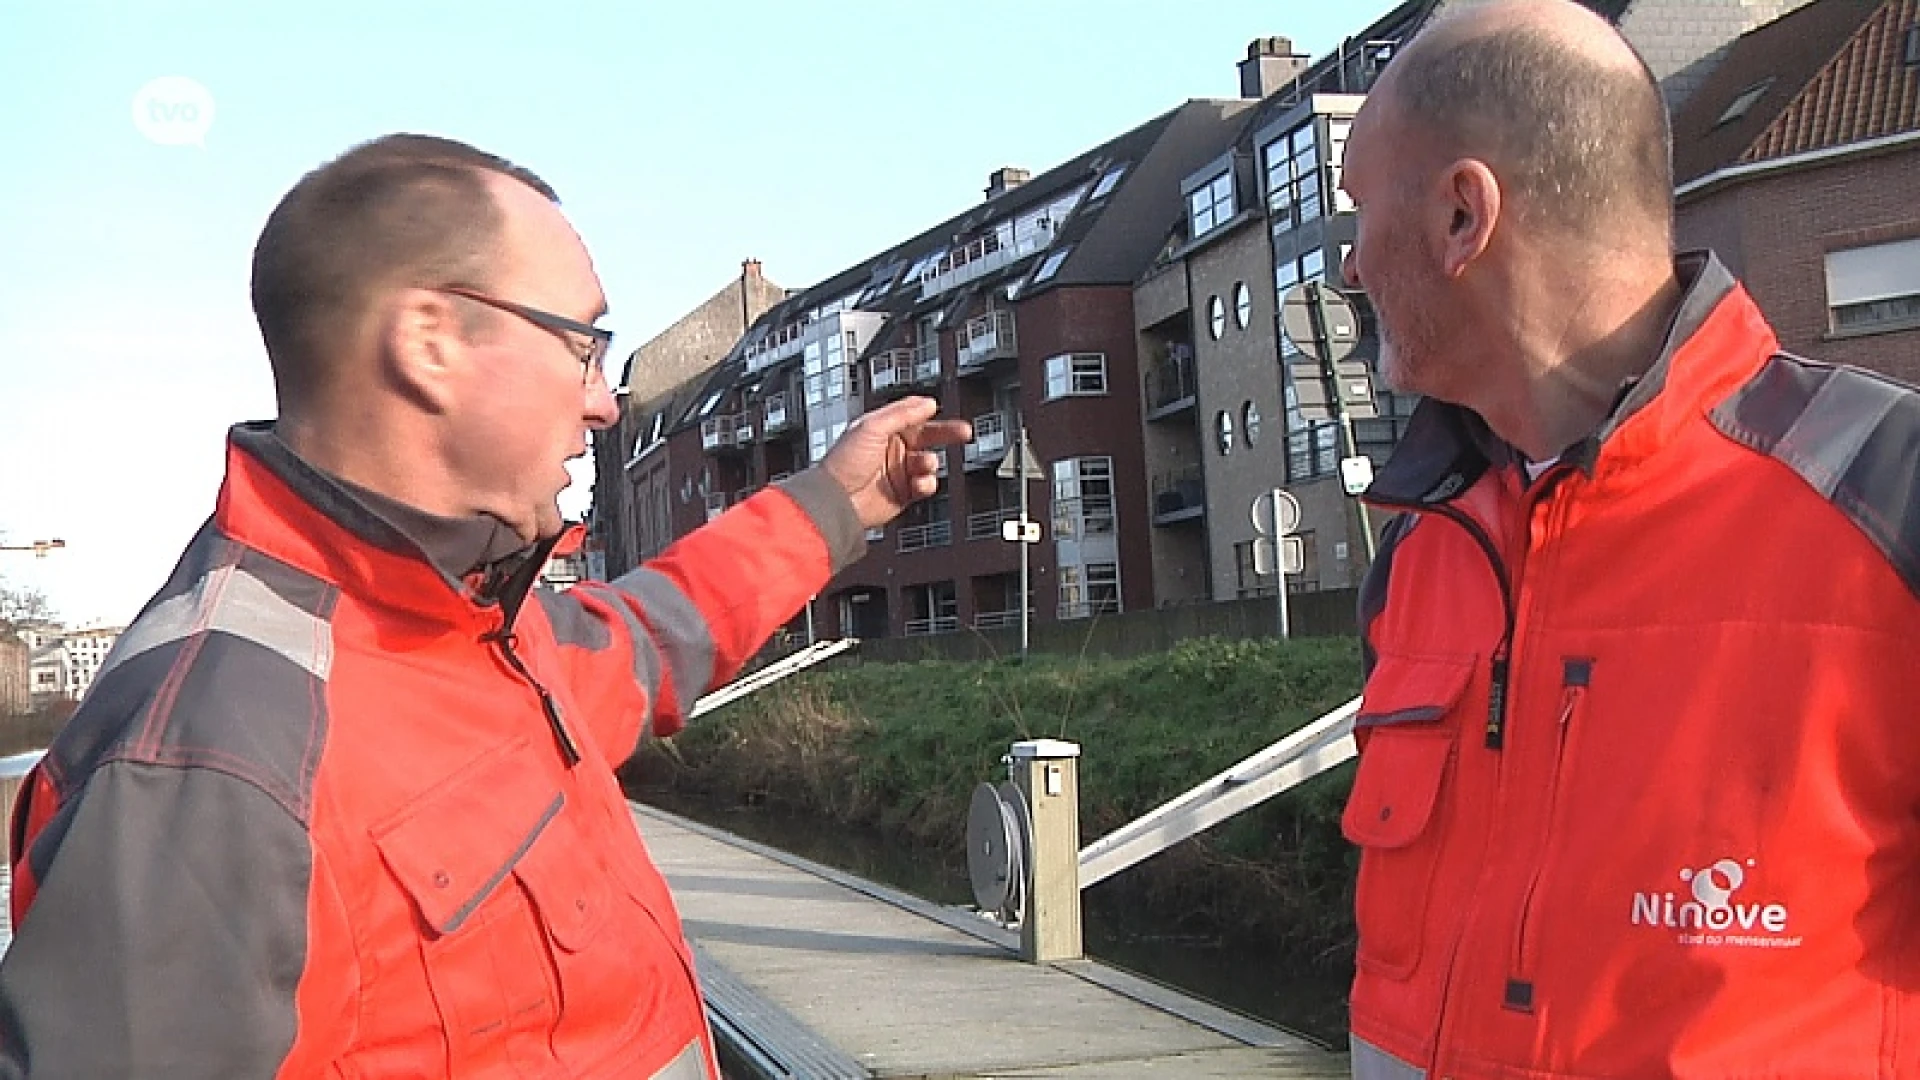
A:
x: 173, y: 111
x: 1713, y: 907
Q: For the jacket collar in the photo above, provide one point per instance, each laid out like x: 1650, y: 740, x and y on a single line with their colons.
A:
x: 1448, y: 448
x: 369, y: 543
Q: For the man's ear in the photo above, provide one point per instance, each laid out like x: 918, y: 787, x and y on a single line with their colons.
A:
x: 425, y: 349
x: 1473, y: 203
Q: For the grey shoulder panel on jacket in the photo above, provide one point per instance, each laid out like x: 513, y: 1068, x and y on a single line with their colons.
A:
x: 225, y: 669
x: 167, y: 939
x: 1852, y: 435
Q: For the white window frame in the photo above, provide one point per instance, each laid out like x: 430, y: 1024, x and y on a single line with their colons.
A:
x: 1875, y: 288
x: 1076, y: 375
x: 1211, y: 204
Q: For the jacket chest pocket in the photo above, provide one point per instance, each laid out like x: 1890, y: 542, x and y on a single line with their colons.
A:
x: 1407, y: 754
x: 483, y: 949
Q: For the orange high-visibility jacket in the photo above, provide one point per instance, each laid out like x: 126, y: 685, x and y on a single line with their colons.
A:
x: 1639, y: 788
x: 337, y: 806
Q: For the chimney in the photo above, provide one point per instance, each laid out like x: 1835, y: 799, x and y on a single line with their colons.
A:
x: 1001, y: 181
x: 750, y: 268
x: 1271, y: 64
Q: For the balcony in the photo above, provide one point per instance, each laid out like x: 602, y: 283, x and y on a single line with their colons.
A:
x: 716, y: 504
x: 990, y: 440
x: 1171, y: 383
x: 1179, y: 495
x: 985, y: 525
x: 939, y: 624
x: 984, y: 339
x: 727, y: 431
x: 779, y: 414
x: 997, y: 620
x: 778, y: 345
x: 921, y: 537
x: 983, y: 256
x: 900, y: 370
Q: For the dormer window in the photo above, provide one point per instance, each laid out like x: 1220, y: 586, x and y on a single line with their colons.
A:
x: 1211, y: 204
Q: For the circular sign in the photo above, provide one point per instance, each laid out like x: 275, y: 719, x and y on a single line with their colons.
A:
x: 1342, y: 322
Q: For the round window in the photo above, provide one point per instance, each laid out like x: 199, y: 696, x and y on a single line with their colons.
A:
x: 1225, y: 421
x: 1242, y: 304
x: 1250, y: 423
x: 1216, y: 316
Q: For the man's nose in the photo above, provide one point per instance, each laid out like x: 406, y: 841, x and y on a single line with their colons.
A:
x: 602, y: 408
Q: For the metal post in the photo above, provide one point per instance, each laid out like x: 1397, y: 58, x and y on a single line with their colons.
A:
x: 1349, y: 446
x: 1046, y: 772
x: 1020, y: 471
x: 1280, y: 568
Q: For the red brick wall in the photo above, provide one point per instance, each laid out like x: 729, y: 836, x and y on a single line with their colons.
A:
x: 1774, y: 231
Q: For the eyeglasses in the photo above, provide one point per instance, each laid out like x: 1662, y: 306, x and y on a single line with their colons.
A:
x: 599, y: 339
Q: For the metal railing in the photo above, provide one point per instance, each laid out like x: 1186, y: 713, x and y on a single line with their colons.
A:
x: 921, y: 537
x: 726, y: 430
x: 716, y: 504
x: 1171, y: 382
x: 989, y: 439
x: 1177, y: 492
x: 777, y: 413
x: 985, y: 524
x: 997, y: 620
x: 898, y: 369
x: 984, y: 339
x: 939, y: 624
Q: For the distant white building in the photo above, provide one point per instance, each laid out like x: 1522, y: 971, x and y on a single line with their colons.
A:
x: 64, y: 661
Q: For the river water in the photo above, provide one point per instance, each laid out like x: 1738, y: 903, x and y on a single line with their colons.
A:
x: 1310, y: 1003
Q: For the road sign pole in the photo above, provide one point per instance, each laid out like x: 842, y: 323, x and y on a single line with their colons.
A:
x: 1020, y: 469
x: 1350, y: 447
x: 1280, y: 568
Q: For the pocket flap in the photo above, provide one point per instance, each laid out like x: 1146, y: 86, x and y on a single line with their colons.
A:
x: 1408, y: 689
x: 567, y: 885
x: 1396, y: 788
x: 453, y: 846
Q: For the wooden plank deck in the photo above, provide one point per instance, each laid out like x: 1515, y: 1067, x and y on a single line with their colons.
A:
x: 912, y: 989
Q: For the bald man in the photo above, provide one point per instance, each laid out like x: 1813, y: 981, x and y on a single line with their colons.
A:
x: 1639, y: 780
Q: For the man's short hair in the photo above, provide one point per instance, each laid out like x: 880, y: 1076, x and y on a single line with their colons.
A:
x: 400, y: 210
x: 1584, y: 144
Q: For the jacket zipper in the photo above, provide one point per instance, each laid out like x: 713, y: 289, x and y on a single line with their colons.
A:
x: 1576, y: 676
x: 1500, y: 663
x: 556, y: 719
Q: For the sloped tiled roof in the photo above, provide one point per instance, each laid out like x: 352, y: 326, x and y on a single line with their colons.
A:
x: 1825, y: 75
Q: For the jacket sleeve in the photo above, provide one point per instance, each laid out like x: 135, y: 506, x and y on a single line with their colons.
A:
x: 178, y: 927
x: 642, y: 649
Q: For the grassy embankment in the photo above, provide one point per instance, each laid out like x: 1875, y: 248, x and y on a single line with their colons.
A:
x: 901, y: 748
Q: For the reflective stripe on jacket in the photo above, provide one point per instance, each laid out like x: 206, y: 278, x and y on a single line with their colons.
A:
x: 329, y: 811
x: 1640, y: 779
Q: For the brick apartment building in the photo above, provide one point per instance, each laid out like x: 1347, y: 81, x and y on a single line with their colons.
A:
x: 1122, y: 307
x: 1799, y: 163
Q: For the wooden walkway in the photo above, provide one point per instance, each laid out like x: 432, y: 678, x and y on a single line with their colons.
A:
x: 904, y: 988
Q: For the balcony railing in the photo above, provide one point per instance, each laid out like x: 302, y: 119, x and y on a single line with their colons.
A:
x: 778, y: 412
x: 985, y: 525
x: 1171, y: 383
x: 902, y: 369
x: 1179, y: 495
x: 726, y: 431
x: 979, y: 258
x: 997, y: 620
x: 989, y: 440
x: 984, y: 339
x: 939, y: 624
x: 920, y: 537
x: 716, y: 504
x: 778, y: 345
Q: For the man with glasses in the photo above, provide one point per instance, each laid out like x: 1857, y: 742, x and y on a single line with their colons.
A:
x: 341, y: 802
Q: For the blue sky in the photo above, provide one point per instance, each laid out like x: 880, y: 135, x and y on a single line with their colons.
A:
x: 682, y: 138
